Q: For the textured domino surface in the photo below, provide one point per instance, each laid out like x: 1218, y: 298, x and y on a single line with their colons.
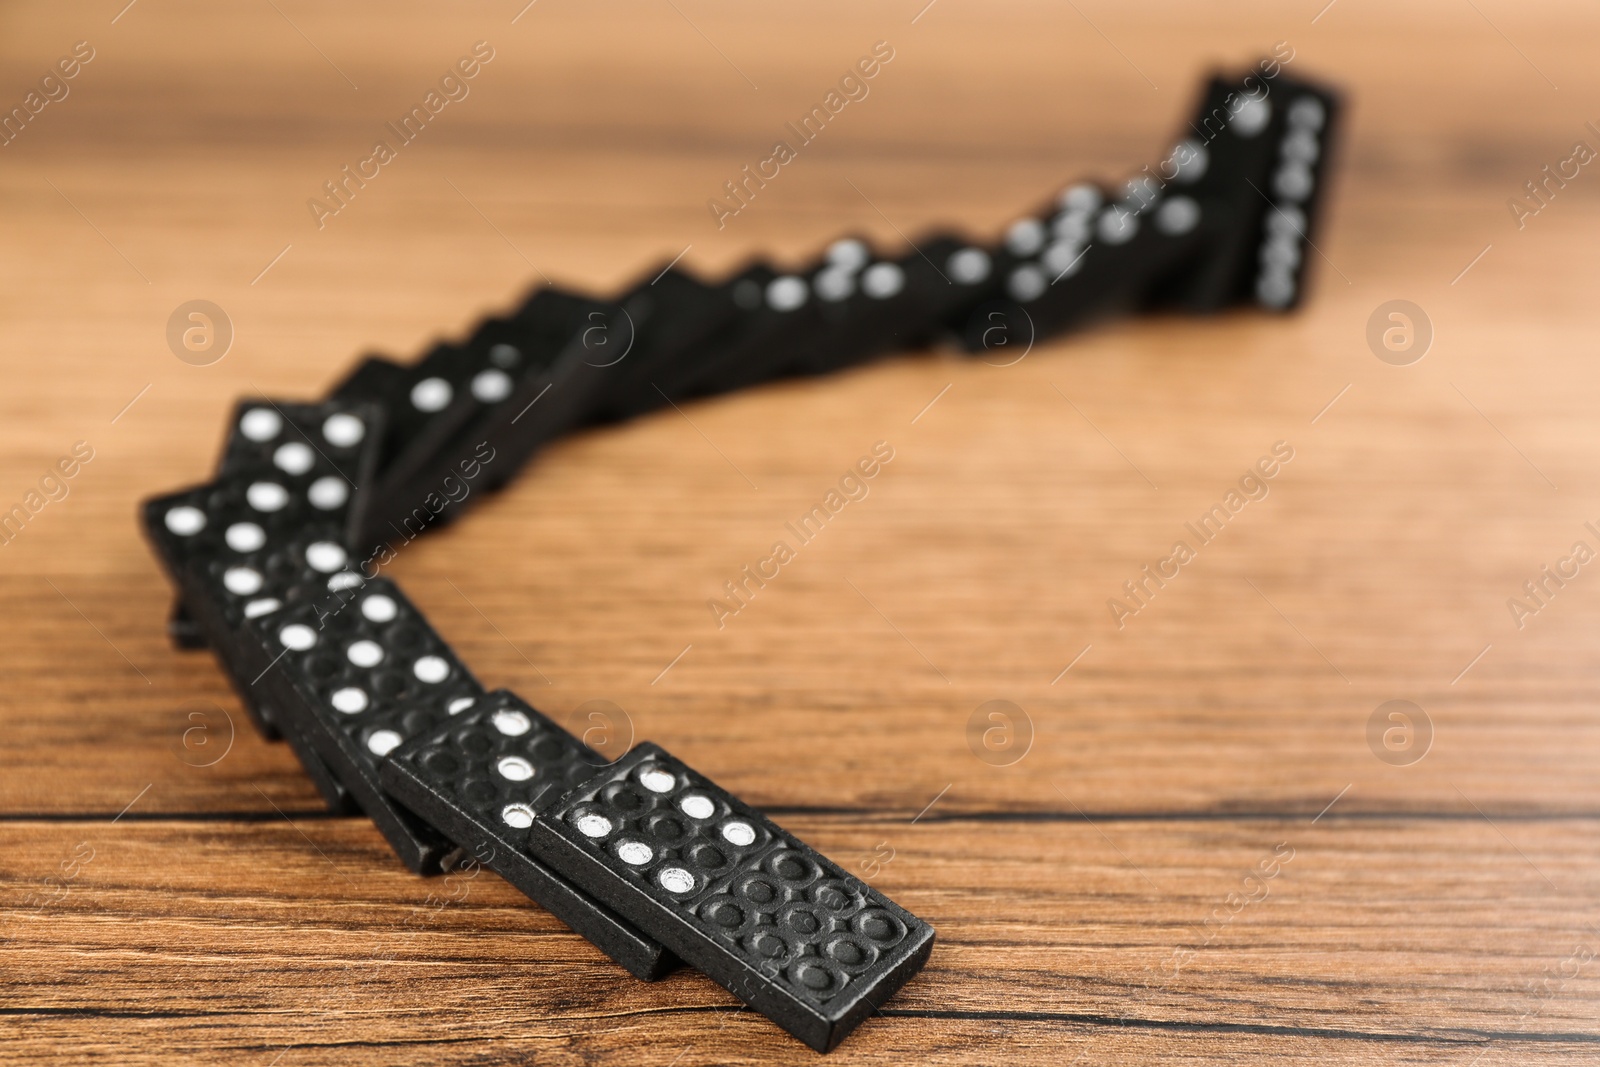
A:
x: 357, y: 671
x: 480, y: 777
x: 772, y: 920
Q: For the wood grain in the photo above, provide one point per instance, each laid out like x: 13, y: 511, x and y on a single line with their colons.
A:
x: 1091, y: 898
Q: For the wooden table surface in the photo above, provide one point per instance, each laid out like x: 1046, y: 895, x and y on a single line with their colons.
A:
x: 1192, y: 847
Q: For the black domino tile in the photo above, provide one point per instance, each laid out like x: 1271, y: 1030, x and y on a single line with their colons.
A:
x: 895, y: 304
x: 298, y: 466
x: 440, y: 405
x: 1223, y: 153
x: 228, y: 589
x: 357, y: 671
x: 297, y: 459
x: 1049, y: 238
x: 777, y: 315
x: 286, y: 467
x: 224, y: 615
x: 1094, y: 257
x: 832, y: 328
x: 480, y: 776
x: 517, y: 384
x: 682, y: 314
x: 225, y: 580
x: 1235, y: 149
x: 386, y: 384
x: 780, y: 926
x: 1305, y: 140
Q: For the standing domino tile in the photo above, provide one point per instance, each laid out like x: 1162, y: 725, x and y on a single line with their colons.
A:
x: 1261, y: 156
x: 358, y: 671
x: 480, y: 777
x: 780, y: 926
x: 1296, y: 192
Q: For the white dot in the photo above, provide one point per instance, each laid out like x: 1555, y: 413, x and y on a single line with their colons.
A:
x: 883, y: 280
x: 431, y: 394
x: 1063, y: 259
x: 511, y: 723
x: 1177, y: 216
x: 834, y: 284
x: 328, y: 492
x: 266, y: 496
x: 1025, y: 237
x: 431, y: 669
x: 260, y: 424
x: 185, y: 521
x: 738, y: 833
x: 325, y: 556
x: 1252, y: 117
x: 344, y: 580
x: 515, y: 768
x: 460, y: 704
x: 657, y: 780
x: 1026, y: 283
x: 594, y: 825
x: 343, y: 430
x: 242, y: 581
x: 297, y: 637
x: 696, y: 806
x: 1286, y: 221
x: 1275, y: 288
x: 257, y: 608
x: 349, y: 700
x: 365, y: 653
x: 503, y: 355
x: 968, y: 266
x: 636, y: 852
x: 383, y: 742
x: 676, y: 880
x: 519, y: 816
x: 1189, y: 160
x: 293, y: 457
x: 850, y: 253
x: 1307, y: 113
x: 245, y: 537
x: 1301, y: 146
x: 1080, y: 199
x: 1117, y: 226
x: 1293, y: 181
x: 1071, y: 227
x: 491, y: 386
x: 379, y: 608
x: 1281, y: 252
x: 786, y: 293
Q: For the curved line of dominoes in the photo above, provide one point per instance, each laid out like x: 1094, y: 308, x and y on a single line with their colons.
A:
x: 647, y: 858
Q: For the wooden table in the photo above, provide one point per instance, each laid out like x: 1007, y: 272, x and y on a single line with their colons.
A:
x: 1193, y: 849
